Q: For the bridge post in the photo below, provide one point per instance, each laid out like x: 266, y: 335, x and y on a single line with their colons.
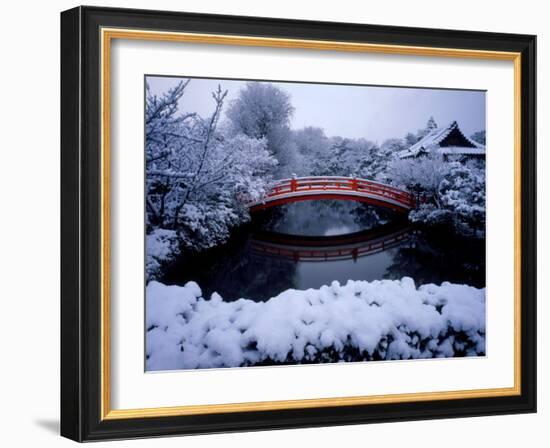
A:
x: 293, y: 183
x: 354, y: 183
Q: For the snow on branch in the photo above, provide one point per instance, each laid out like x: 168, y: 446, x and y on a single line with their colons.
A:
x: 198, y: 172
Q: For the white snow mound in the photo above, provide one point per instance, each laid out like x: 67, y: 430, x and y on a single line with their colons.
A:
x: 359, y: 321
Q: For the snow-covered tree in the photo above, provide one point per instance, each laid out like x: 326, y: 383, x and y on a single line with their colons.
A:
x: 200, y: 176
x: 411, y: 139
x: 448, y: 193
x: 463, y: 193
x: 479, y: 137
x: 167, y: 134
x: 346, y: 157
x: 431, y: 125
x: 393, y: 145
x: 163, y: 125
x: 422, y: 175
x: 311, y: 141
x: 263, y: 111
x: 376, y: 167
x: 310, y: 144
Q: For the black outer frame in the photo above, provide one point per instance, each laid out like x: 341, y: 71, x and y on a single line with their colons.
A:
x: 80, y: 223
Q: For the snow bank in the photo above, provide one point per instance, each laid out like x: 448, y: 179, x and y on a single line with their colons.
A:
x: 388, y: 319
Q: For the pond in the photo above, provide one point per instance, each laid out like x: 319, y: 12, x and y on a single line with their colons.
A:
x: 310, y: 244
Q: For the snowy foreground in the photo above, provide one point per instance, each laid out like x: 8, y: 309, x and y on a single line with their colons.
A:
x: 379, y: 320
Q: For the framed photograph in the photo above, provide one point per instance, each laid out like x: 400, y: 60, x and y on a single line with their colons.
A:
x: 276, y: 224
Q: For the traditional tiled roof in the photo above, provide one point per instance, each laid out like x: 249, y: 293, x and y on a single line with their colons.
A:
x: 434, y: 139
x: 460, y: 151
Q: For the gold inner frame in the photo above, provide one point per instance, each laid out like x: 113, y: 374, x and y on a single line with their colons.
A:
x: 107, y: 35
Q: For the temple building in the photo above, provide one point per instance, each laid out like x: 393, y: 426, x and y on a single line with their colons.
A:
x: 450, y: 142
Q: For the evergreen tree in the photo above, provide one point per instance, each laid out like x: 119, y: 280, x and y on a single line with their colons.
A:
x: 431, y: 125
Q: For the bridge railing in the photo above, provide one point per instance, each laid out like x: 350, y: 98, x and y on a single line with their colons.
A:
x: 321, y: 183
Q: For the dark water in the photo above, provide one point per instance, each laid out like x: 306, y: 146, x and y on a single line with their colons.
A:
x: 310, y: 244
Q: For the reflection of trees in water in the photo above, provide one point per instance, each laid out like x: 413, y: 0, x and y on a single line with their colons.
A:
x: 440, y: 257
x: 370, y: 216
x: 233, y: 271
x: 248, y: 276
x: 316, y: 218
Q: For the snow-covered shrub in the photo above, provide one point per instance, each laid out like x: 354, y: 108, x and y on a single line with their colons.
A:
x: 162, y: 246
x: 379, y: 320
x: 206, y: 225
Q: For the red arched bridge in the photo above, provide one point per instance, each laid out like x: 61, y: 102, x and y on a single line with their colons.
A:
x: 311, y: 188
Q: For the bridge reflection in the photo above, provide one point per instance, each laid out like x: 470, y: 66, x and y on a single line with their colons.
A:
x: 328, y: 248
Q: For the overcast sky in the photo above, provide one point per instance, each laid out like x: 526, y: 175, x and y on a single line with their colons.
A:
x: 375, y: 113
